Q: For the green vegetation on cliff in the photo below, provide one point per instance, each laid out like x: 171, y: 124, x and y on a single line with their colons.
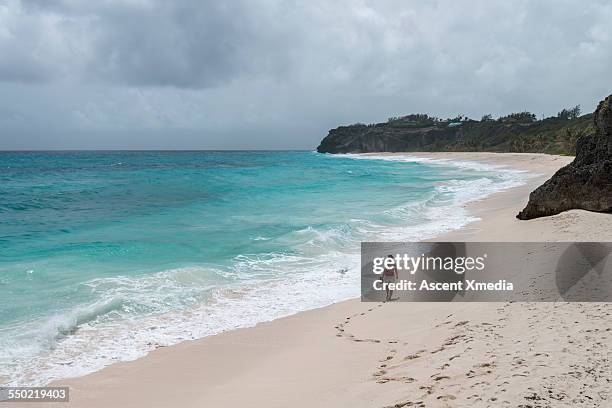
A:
x: 516, y: 132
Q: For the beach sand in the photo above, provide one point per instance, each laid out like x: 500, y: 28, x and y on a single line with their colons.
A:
x: 397, y: 354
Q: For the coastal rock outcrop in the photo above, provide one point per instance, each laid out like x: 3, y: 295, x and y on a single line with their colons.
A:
x: 585, y: 183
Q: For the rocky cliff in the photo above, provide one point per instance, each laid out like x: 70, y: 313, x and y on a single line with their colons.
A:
x: 552, y: 135
x: 586, y: 183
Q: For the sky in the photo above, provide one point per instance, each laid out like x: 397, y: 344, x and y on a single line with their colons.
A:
x: 274, y: 74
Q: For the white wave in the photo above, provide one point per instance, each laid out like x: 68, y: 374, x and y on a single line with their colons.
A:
x: 407, y: 158
x: 92, y: 340
x: 260, y: 238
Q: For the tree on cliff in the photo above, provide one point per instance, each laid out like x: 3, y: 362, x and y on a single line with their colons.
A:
x: 571, y: 113
x: 518, y: 117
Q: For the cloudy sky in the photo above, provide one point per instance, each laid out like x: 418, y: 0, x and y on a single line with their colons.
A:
x: 278, y: 74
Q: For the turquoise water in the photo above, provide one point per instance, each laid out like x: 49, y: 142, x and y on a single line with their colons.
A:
x: 107, y: 255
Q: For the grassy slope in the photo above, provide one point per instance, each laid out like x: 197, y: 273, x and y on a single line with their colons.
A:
x: 551, y: 135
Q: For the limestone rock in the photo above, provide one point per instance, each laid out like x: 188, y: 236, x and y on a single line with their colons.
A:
x: 585, y: 183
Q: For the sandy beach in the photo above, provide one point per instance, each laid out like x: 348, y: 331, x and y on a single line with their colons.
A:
x: 398, y: 354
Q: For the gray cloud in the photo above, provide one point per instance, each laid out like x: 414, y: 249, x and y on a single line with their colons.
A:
x: 271, y: 73
x: 140, y: 43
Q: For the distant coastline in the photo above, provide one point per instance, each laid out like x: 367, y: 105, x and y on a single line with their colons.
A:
x: 516, y: 133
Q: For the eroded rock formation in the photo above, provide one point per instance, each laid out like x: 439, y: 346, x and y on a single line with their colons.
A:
x: 585, y: 183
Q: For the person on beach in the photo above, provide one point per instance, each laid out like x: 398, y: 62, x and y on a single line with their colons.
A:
x: 389, y: 276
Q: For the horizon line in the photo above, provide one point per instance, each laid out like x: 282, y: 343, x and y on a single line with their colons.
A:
x: 152, y: 150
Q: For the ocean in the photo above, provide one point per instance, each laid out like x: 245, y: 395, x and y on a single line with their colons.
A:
x: 105, y: 256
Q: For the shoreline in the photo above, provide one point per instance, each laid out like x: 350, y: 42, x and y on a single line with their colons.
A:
x: 114, y: 344
x: 271, y: 361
